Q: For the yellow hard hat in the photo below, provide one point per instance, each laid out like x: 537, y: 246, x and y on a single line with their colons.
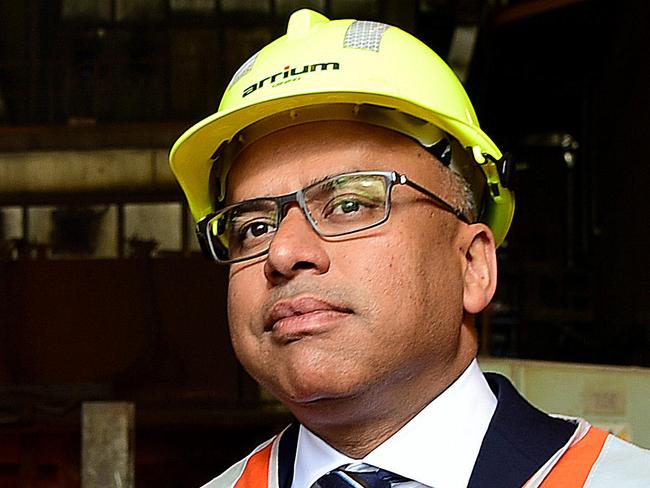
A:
x: 339, y: 70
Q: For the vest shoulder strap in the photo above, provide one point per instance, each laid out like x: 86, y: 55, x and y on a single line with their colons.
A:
x: 256, y: 473
x: 573, y: 468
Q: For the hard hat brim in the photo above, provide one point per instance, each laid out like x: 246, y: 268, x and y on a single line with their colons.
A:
x: 191, y: 156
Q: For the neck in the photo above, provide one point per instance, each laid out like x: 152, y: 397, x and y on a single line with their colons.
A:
x: 357, y: 425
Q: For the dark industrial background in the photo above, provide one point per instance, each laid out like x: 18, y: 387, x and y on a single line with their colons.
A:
x: 560, y: 84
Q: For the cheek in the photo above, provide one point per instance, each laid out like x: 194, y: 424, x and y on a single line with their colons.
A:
x: 243, y: 308
x: 237, y: 305
x: 422, y: 271
x: 388, y: 279
x: 246, y: 286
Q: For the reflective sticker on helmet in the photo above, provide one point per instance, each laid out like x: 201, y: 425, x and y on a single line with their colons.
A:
x: 365, y: 34
x: 243, y: 69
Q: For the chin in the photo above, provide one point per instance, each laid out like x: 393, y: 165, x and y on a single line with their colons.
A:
x: 307, y: 393
x: 311, y: 375
x: 307, y: 390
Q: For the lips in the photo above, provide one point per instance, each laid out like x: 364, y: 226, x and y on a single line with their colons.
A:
x: 303, y: 314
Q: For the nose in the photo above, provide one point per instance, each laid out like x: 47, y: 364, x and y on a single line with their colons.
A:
x: 296, y: 248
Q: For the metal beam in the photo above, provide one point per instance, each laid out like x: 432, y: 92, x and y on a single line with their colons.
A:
x: 30, y: 174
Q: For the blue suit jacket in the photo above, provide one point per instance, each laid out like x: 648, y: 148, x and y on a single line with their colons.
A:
x: 519, y: 440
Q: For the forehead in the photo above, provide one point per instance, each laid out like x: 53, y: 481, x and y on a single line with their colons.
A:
x: 289, y: 159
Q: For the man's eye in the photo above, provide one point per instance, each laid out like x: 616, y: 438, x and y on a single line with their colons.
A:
x: 348, y: 205
x: 255, y: 229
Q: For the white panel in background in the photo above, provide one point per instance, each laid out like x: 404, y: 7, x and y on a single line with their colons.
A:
x: 12, y: 223
x: 40, y: 224
x: 161, y: 222
x: 615, y: 398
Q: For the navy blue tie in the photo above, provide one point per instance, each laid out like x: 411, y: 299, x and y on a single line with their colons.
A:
x: 339, y: 478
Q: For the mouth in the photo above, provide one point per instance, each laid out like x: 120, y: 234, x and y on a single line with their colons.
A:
x: 302, y: 315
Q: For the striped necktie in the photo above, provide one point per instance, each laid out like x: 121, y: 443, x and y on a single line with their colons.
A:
x: 368, y: 478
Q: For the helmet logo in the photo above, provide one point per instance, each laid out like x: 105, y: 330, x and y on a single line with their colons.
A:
x: 289, y: 74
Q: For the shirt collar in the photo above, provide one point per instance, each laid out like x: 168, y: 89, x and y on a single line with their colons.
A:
x: 438, y: 447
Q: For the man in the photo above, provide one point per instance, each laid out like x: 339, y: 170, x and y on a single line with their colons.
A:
x: 348, y: 185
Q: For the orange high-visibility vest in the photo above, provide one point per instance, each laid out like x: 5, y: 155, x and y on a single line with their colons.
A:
x: 594, y: 459
x: 574, y: 466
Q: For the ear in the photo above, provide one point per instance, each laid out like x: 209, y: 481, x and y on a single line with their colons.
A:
x: 480, y: 262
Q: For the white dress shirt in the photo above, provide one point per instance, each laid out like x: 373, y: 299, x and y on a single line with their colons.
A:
x: 437, y: 448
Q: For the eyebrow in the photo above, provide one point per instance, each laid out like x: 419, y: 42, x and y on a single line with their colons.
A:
x: 313, y: 181
x: 331, y: 175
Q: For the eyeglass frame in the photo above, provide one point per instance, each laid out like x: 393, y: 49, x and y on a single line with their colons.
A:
x: 393, y: 178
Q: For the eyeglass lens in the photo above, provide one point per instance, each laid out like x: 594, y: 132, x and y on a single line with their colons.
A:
x: 337, y: 206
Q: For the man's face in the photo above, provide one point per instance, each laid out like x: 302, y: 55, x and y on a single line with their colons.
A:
x: 332, y: 319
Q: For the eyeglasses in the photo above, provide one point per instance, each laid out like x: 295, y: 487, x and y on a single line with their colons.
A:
x: 336, y: 206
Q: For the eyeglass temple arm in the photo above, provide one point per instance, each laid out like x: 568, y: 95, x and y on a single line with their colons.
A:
x: 403, y: 180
